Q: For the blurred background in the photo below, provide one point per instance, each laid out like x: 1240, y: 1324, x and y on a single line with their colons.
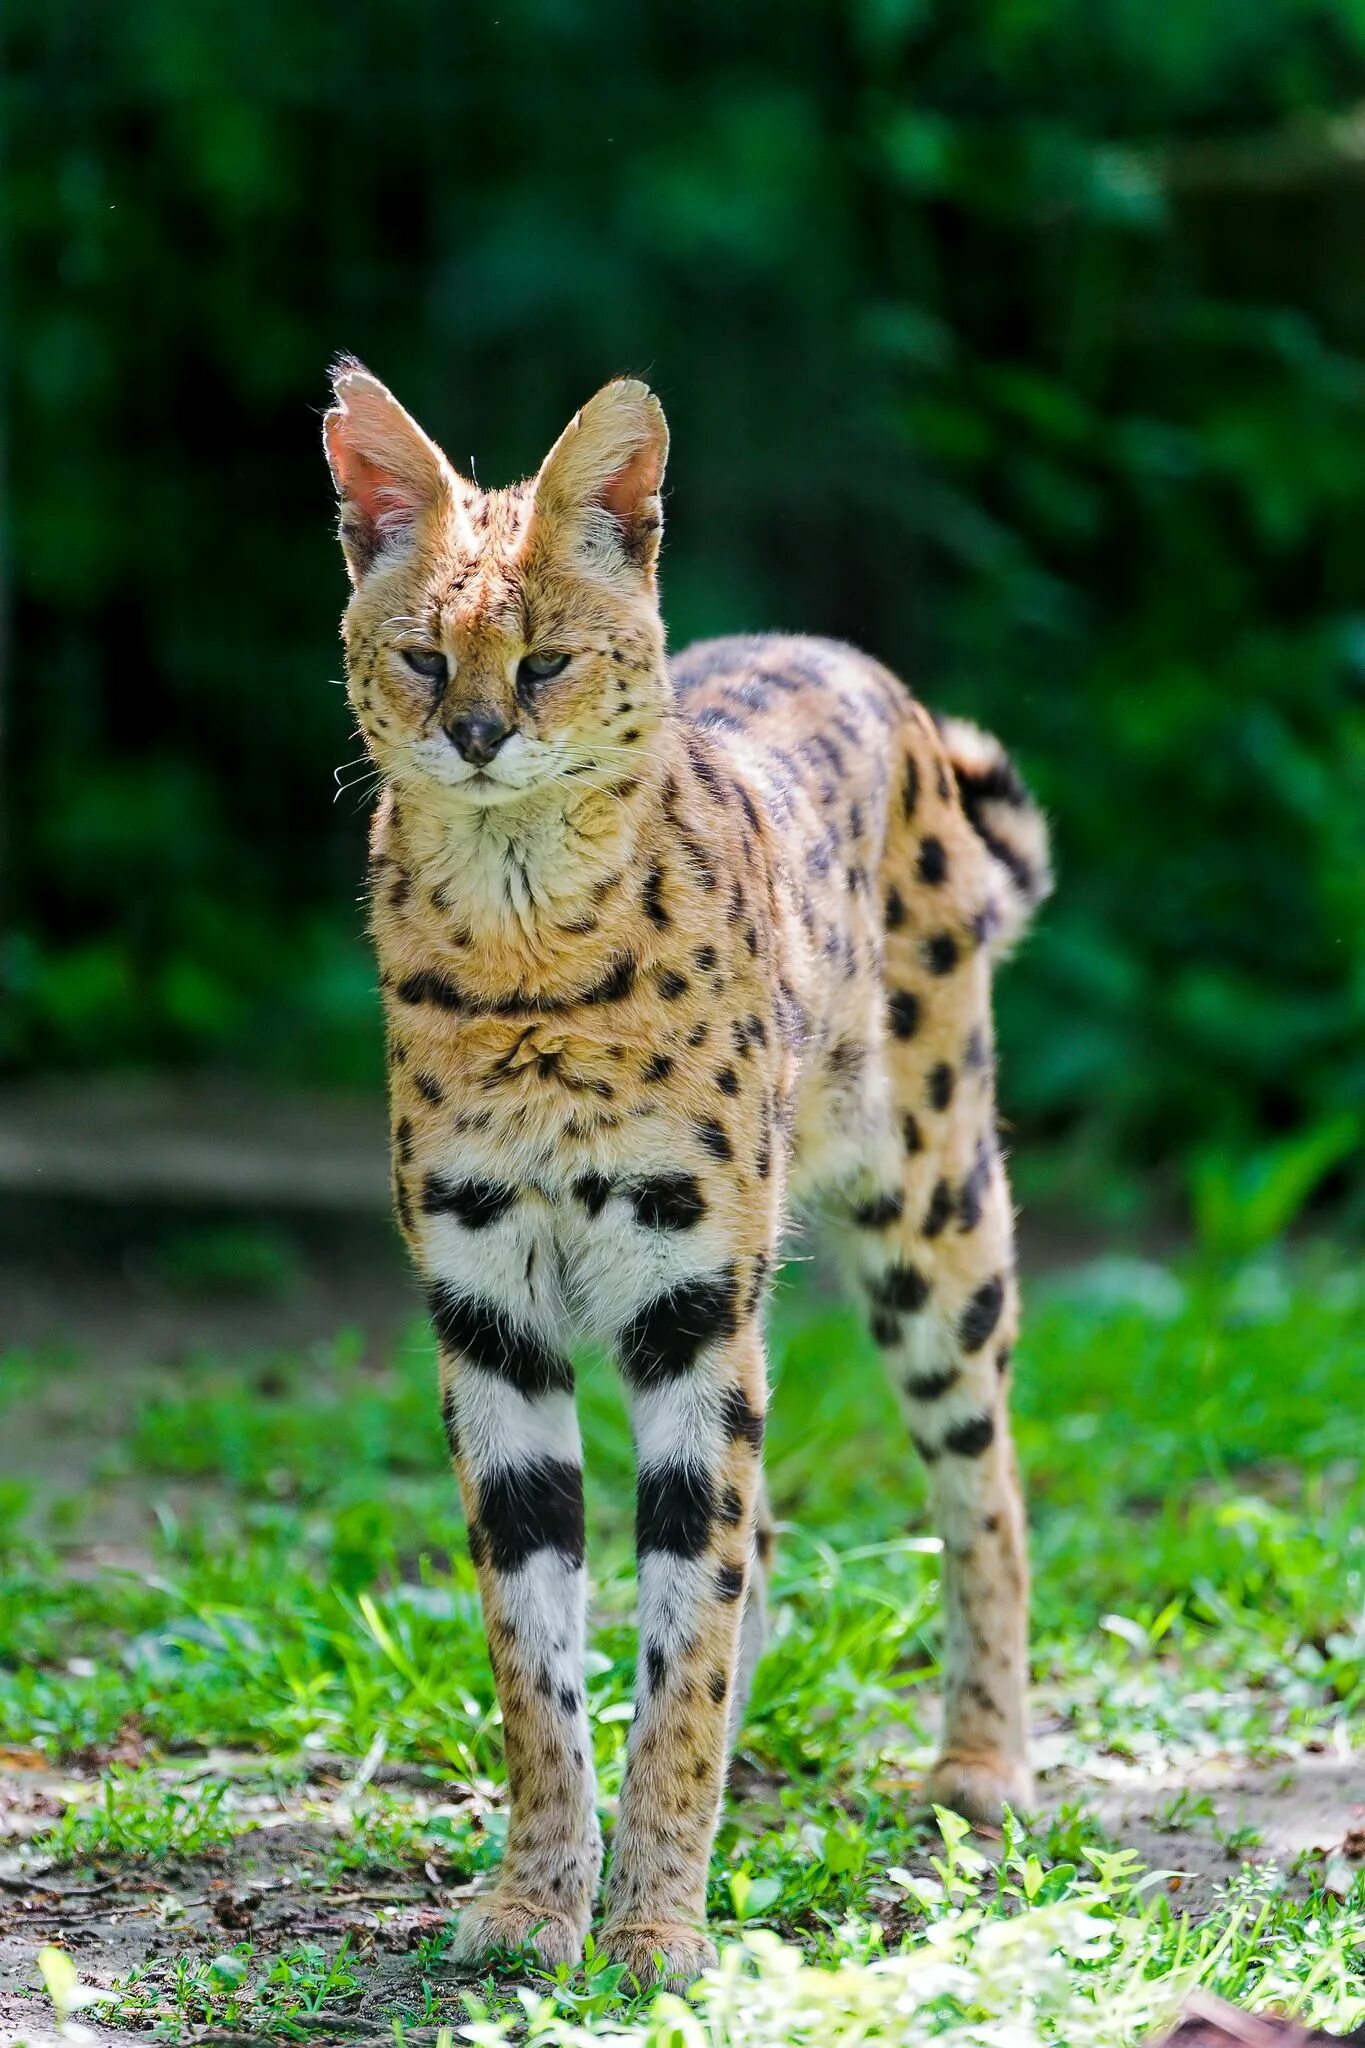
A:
x: 1022, y: 342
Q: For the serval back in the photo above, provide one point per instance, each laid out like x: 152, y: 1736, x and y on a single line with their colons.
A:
x: 664, y: 948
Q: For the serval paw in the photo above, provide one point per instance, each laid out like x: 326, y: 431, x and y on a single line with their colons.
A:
x: 503, y: 1920
x: 980, y: 1786
x: 667, y: 1953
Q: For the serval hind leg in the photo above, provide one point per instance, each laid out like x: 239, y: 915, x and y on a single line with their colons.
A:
x: 934, y: 1256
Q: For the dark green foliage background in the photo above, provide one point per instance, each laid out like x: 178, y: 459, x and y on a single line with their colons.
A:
x: 1022, y: 341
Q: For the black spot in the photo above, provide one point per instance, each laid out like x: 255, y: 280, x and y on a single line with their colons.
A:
x: 895, y: 909
x: 656, y: 1666
x: 902, y: 1011
x: 970, y: 1437
x: 702, y: 766
x: 1002, y: 1360
x: 846, y: 1060
x: 716, y: 1139
x: 886, y: 1329
x: 485, y: 1336
x: 657, y: 1068
x: 428, y: 1086
x: 731, y: 1506
x: 593, y: 1190
x: 727, y: 1080
x: 940, y: 953
x: 972, y: 1190
x: 612, y: 988
x: 974, y: 1054
x: 429, y: 986
x: 448, y: 1421
x: 763, y: 1157
x: 730, y: 1581
x: 910, y: 788
x: 674, y: 1510
x: 901, y: 1287
x: 879, y: 1212
x: 939, y: 1088
x: 985, y: 923
x: 653, y: 897
x: 662, y: 1339
x: 667, y: 1201
x: 981, y: 1314
x: 927, y: 1451
x: 910, y: 1134
x: 999, y: 784
x: 758, y: 1030
x: 402, y: 1140
x: 741, y: 1420
x: 402, y: 1203
x: 527, y: 1508
x: 939, y: 1210
x: 706, y: 958
x: 717, y: 1685
x: 568, y: 1700
x: 933, y: 861
x: 930, y: 1386
x: 672, y: 985
x: 699, y: 1033
x: 475, y: 1203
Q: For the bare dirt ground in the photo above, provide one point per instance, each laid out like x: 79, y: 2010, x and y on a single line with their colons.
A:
x: 267, y: 1886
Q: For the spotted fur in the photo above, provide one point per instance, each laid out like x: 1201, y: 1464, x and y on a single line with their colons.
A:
x: 665, y: 948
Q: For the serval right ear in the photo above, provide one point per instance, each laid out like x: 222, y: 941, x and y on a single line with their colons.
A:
x: 390, y: 477
x: 599, y: 487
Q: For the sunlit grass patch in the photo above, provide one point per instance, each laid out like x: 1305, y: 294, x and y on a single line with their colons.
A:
x: 1198, y: 1529
x: 139, y: 1814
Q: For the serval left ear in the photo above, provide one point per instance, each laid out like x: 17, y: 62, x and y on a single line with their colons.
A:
x: 390, y: 477
x: 600, y: 484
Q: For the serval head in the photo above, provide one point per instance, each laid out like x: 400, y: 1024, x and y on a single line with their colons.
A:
x: 501, y: 643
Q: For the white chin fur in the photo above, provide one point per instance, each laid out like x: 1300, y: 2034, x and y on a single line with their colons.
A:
x: 513, y: 773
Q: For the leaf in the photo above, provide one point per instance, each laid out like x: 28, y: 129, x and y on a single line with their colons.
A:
x: 1130, y: 1632
x: 1244, y: 1202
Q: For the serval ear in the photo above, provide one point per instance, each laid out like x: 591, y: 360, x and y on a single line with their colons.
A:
x: 389, y: 476
x: 599, y: 486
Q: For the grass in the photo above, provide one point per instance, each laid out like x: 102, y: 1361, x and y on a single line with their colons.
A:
x: 1192, y: 1448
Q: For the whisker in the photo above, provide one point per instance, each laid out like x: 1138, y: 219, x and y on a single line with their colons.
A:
x: 368, y: 783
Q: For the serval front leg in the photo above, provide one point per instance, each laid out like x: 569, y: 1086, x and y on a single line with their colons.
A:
x: 694, y: 1360
x: 509, y: 1411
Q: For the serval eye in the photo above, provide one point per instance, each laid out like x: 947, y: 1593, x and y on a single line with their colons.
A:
x: 534, y: 669
x: 427, y: 662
